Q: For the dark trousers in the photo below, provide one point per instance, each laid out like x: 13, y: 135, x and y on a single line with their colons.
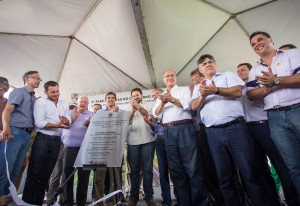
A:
x: 232, y: 147
x: 163, y: 171
x: 43, y: 158
x: 69, y: 157
x: 209, y: 169
x: 184, y: 164
x: 265, y: 145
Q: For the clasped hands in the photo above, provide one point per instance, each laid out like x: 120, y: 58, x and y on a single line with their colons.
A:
x: 206, y: 90
x: 267, y: 79
x: 165, y: 98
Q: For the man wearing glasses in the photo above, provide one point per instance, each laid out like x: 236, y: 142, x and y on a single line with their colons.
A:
x: 17, y: 121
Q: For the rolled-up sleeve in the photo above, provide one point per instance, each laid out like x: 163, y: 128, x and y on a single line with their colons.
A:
x: 39, y: 113
x: 186, y: 99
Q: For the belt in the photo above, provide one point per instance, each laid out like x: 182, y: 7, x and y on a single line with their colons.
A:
x: 280, y: 109
x: 171, y: 124
x: 52, y: 137
x: 227, y: 124
x: 252, y: 123
x: 28, y: 130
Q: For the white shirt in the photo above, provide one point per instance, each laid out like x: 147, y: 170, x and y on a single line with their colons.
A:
x: 284, y: 63
x: 173, y: 113
x: 45, y: 112
x: 139, y: 130
x: 217, y: 109
x: 254, y: 110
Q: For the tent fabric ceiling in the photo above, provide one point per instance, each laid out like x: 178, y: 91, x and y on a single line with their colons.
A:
x: 95, y: 46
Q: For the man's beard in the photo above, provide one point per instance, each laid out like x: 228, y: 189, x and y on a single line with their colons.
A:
x: 138, y: 100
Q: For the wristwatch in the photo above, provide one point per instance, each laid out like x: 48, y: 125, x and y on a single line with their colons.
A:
x: 277, y: 81
x: 173, y: 100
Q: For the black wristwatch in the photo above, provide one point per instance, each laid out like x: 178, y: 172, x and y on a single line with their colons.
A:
x: 218, y: 91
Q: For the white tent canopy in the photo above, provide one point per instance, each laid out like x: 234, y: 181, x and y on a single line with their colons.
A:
x: 96, y: 46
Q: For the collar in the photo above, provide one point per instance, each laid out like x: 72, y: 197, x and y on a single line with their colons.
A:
x: 28, y: 90
x: 260, y: 61
x: 216, y: 75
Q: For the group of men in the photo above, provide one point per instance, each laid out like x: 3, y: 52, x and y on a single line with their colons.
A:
x: 241, y: 119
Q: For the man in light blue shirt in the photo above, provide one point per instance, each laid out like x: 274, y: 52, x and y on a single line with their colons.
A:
x: 229, y: 141
x: 51, y: 115
x: 17, y: 127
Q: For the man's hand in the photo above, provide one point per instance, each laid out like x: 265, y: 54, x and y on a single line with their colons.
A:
x: 165, y: 98
x: 87, y: 122
x: 207, y: 90
x: 267, y: 79
x: 115, y: 108
x: 5, y: 135
x: 64, y: 120
x: 134, y: 103
x: 5, y: 199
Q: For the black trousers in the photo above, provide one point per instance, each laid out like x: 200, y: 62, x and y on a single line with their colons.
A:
x: 69, y: 157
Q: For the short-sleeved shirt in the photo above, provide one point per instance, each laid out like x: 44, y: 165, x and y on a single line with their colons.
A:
x: 45, y: 112
x: 218, y: 109
x: 284, y: 63
x: 22, y: 115
x: 254, y: 110
x: 2, y: 106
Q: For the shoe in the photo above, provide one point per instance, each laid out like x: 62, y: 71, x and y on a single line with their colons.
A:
x: 131, y: 203
x: 151, y: 203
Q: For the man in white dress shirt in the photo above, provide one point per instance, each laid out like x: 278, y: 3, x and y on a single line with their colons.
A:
x: 51, y: 115
x: 181, y: 142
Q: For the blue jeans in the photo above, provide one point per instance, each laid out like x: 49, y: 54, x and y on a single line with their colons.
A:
x: 285, y: 131
x: 163, y: 171
x: 141, y: 155
x: 16, y: 151
x: 43, y: 158
x: 185, y: 164
x: 232, y: 147
x: 266, y: 146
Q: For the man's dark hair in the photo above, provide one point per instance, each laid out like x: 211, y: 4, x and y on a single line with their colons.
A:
x: 259, y: 32
x: 98, y: 105
x: 290, y: 46
x: 136, y: 89
x: 196, y: 71
x: 50, y: 84
x: 248, y: 65
x: 203, y: 57
x: 4, y: 83
x: 27, y: 74
x: 110, y: 93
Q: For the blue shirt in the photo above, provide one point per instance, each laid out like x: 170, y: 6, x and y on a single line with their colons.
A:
x: 22, y: 114
x: 158, y: 128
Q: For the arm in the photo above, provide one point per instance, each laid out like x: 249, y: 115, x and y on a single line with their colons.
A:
x: 6, y: 115
x: 258, y: 93
x: 197, y: 103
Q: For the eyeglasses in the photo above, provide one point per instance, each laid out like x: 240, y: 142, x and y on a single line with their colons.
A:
x: 36, y: 78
